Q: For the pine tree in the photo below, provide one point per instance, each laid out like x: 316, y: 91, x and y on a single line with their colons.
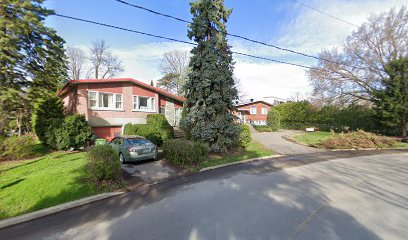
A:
x: 391, y: 102
x: 210, y: 90
x: 32, y: 56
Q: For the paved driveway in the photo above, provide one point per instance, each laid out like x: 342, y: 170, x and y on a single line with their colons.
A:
x: 274, y: 141
x: 361, y: 197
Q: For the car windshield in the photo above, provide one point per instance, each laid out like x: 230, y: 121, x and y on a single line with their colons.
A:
x: 139, y: 142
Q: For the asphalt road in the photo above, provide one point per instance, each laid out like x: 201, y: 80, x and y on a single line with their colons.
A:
x: 349, y: 197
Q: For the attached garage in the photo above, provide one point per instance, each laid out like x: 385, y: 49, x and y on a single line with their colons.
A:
x: 107, y: 132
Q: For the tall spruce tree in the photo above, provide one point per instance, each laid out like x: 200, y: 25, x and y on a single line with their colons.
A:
x: 210, y: 90
x: 391, y: 102
x: 32, y: 57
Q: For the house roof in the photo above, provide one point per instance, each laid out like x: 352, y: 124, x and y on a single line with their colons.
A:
x: 250, y: 103
x: 67, y: 86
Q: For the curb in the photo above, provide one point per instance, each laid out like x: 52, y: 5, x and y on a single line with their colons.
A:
x: 52, y: 210
x: 238, y: 162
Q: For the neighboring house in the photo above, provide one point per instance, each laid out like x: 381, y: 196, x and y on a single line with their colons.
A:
x: 274, y: 100
x: 109, y: 104
x: 252, y: 112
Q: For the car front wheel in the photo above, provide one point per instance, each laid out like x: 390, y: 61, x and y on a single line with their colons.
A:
x: 122, y: 158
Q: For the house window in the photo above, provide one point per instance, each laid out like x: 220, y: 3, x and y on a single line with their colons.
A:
x: 119, y: 102
x: 144, y: 103
x: 253, y: 110
x: 264, y: 111
x: 105, y: 101
x: 93, y: 99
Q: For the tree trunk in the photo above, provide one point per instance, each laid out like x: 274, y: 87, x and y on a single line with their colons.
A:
x: 404, y: 129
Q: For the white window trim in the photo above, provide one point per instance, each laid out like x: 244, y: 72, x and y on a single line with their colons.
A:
x: 113, y: 108
x: 143, y: 110
x: 266, y: 111
x: 253, y: 113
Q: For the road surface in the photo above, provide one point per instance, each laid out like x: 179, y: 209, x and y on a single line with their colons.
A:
x: 353, y: 197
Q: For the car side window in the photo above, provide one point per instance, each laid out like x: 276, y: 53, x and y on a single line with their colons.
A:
x: 114, y: 140
x: 119, y: 141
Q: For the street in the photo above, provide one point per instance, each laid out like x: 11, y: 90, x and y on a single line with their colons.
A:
x: 356, y: 195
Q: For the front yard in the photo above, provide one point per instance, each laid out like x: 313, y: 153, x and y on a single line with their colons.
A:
x: 254, y: 150
x: 31, y: 185
x: 315, y: 138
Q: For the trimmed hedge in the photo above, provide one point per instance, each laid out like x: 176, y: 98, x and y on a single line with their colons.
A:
x: 299, y: 115
x: 245, y: 137
x: 274, y: 119
x: 185, y: 153
x: 156, y: 130
x: 27, y: 146
x: 261, y: 128
x: 103, y: 163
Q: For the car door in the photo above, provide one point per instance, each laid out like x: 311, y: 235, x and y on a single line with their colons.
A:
x: 120, y: 145
x: 114, y: 144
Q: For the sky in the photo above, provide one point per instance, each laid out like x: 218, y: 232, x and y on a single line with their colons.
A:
x: 284, y: 23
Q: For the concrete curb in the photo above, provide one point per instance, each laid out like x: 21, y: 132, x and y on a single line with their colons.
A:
x: 52, y: 210
x: 238, y: 162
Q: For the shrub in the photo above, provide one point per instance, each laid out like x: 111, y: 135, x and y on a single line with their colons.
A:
x: 72, y: 132
x: 45, y: 112
x: 357, y: 140
x: 185, y: 153
x: 26, y: 146
x: 245, y: 136
x: 273, y: 119
x: 156, y: 130
x: 104, y: 163
x: 262, y: 128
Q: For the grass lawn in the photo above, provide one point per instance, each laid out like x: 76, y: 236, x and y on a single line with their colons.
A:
x: 254, y: 150
x: 30, y: 185
x: 312, y: 138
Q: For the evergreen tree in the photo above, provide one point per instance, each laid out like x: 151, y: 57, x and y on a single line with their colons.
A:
x: 392, y: 101
x: 32, y: 57
x: 210, y: 90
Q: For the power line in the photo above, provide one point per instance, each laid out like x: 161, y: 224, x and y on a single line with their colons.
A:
x: 230, y: 34
x: 329, y: 15
x: 173, y: 39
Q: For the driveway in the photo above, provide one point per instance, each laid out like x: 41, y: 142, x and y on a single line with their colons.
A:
x: 362, y: 196
x: 274, y: 141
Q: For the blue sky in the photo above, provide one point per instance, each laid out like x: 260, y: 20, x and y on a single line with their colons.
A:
x: 283, y: 23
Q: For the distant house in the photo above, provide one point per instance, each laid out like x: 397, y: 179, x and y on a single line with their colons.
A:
x: 274, y: 100
x: 109, y: 104
x: 252, y: 112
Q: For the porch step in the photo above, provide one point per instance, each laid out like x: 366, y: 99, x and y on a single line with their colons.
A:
x: 179, y: 133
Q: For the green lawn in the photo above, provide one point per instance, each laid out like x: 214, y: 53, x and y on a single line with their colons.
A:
x: 30, y: 185
x: 254, y: 150
x: 312, y: 138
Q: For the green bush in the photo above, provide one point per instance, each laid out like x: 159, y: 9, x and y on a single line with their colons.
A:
x: 156, y: 130
x: 259, y: 128
x: 23, y: 147
x: 245, y: 136
x: 274, y: 119
x: 185, y: 153
x: 46, y: 111
x: 73, y: 132
x: 104, y: 163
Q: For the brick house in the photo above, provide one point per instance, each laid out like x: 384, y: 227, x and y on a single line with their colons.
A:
x: 109, y: 104
x: 253, y: 112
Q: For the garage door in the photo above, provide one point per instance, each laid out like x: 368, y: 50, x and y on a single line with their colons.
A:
x: 107, y: 132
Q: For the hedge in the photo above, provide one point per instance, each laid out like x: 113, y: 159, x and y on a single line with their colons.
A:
x: 273, y: 119
x: 156, y: 130
x: 245, y: 136
x: 104, y: 163
x: 26, y: 146
x: 185, y: 153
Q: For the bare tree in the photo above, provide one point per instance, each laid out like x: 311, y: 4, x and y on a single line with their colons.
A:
x: 76, y: 62
x: 174, y: 67
x: 355, y: 71
x: 242, y: 94
x: 104, y: 63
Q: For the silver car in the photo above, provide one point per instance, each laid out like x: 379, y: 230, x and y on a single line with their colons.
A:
x: 134, y: 148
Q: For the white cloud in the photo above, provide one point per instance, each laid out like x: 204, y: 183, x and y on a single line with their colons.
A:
x: 269, y: 79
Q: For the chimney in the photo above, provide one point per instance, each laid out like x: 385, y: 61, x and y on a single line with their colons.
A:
x: 252, y: 100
